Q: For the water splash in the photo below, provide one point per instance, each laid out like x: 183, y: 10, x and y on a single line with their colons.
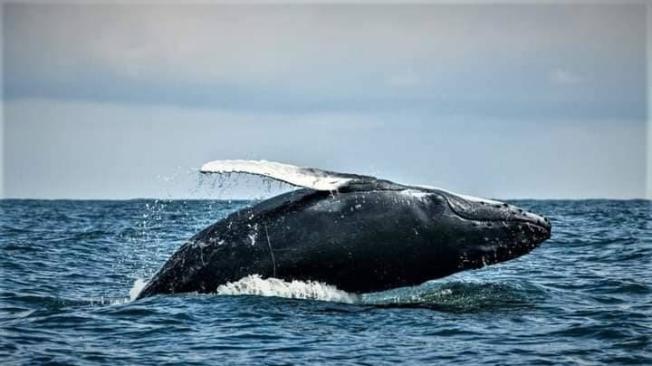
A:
x: 224, y: 185
x: 312, y: 290
x: 137, y: 287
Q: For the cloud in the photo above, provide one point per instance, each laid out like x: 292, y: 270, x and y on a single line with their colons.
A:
x: 435, y: 58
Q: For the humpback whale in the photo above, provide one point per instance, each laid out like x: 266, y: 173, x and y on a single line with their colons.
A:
x: 358, y: 233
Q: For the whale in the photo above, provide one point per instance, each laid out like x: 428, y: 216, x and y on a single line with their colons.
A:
x: 358, y: 233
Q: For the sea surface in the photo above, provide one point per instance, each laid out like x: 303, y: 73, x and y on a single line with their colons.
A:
x: 67, y: 269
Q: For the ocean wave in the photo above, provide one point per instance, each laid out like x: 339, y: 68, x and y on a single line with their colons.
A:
x: 584, y: 294
x: 136, y: 288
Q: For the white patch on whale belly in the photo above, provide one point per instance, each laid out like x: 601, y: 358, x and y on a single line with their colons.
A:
x: 312, y: 290
x: 253, y: 235
x: 252, y: 238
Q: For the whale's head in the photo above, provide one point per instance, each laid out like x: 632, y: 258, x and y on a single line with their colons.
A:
x: 485, y: 232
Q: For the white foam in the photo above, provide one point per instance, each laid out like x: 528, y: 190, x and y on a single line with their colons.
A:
x: 310, y: 178
x: 138, y: 286
x: 256, y: 285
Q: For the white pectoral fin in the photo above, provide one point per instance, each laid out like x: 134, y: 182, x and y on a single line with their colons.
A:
x: 316, y: 179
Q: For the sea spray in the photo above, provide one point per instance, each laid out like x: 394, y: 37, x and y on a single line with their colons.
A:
x: 137, y: 287
x: 256, y: 285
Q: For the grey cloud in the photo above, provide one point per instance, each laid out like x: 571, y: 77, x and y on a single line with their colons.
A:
x: 489, y: 59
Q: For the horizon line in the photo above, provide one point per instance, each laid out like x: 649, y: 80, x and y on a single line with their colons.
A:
x: 265, y: 198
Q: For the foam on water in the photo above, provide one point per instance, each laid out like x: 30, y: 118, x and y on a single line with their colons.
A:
x: 137, y: 287
x: 256, y: 285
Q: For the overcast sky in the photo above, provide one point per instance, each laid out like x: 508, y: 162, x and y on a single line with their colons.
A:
x: 503, y: 101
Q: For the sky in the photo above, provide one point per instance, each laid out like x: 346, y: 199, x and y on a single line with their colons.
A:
x: 119, y: 101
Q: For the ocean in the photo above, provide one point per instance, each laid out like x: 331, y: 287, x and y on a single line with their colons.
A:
x: 68, y: 271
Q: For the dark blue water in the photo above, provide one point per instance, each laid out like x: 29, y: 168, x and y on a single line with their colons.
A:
x: 67, y: 267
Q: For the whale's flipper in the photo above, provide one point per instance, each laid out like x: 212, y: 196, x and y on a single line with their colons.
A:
x: 319, y: 180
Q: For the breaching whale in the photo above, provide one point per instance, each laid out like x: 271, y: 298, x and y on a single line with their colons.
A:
x: 358, y: 233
